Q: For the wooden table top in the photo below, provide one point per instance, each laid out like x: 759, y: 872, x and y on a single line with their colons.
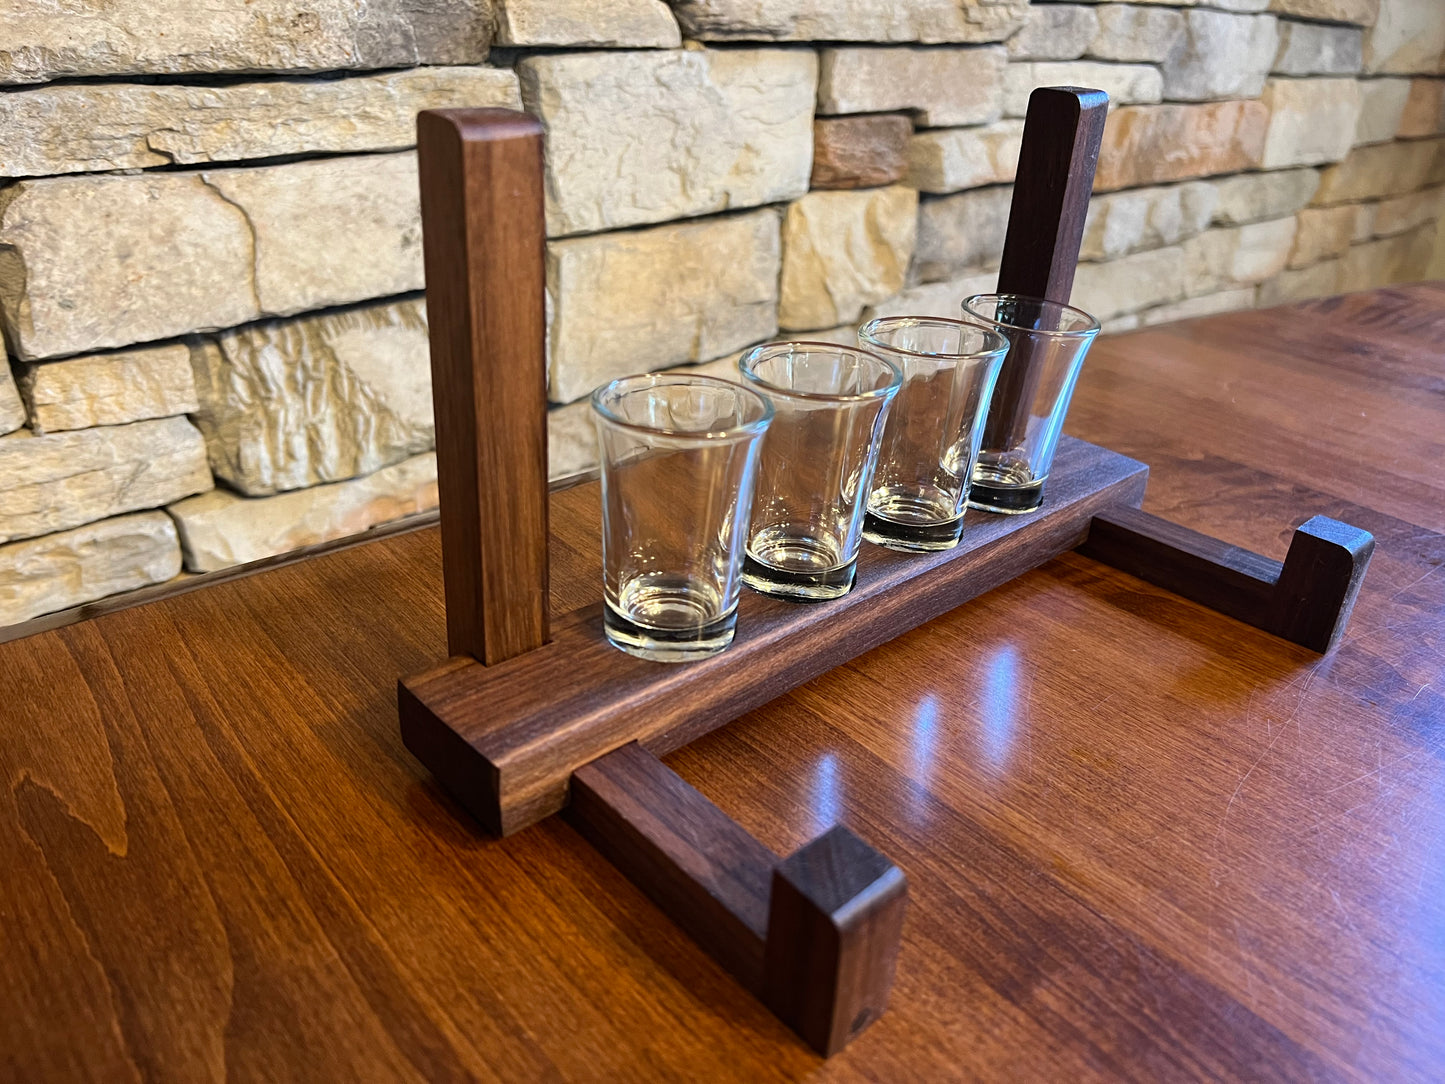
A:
x: 1144, y: 842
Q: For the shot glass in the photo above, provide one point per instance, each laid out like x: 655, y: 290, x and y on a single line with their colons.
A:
x: 679, y: 461
x: 816, y: 464
x: 932, y: 433
x: 1047, y: 344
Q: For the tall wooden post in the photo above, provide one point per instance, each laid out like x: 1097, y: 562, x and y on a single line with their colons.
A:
x: 484, y: 243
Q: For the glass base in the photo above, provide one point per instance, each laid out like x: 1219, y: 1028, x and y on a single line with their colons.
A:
x: 912, y: 537
x: 1009, y: 500
x: 668, y: 645
x: 1010, y: 490
x: 800, y: 586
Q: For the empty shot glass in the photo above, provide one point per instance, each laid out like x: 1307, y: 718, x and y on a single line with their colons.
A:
x: 679, y: 461
x: 932, y: 433
x: 1047, y: 344
x: 816, y: 465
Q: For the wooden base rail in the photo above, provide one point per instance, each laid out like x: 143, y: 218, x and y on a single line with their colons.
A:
x: 815, y: 936
x: 1307, y: 599
x: 531, y: 716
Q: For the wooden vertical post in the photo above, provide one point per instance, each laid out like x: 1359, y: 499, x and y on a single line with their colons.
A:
x: 1063, y: 131
x: 484, y: 243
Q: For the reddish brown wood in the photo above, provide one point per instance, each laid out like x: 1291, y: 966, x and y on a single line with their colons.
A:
x: 1063, y: 131
x: 506, y: 739
x: 827, y: 920
x: 1144, y: 841
x: 483, y: 235
x: 1306, y: 599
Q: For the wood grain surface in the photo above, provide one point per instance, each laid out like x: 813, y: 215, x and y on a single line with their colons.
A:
x: 505, y: 739
x: 1143, y: 841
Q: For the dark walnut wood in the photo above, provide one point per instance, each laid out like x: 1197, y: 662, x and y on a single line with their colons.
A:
x: 1144, y: 841
x: 505, y: 739
x: 1307, y: 598
x: 484, y: 241
x: 1063, y: 131
x: 815, y: 936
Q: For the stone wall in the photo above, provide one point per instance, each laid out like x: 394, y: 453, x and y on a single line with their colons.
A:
x: 210, y: 263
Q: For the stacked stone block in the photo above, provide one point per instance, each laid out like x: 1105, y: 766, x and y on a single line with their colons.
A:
x: 210, y: 260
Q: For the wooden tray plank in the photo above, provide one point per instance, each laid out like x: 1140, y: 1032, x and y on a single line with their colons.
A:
x: 505, y: 739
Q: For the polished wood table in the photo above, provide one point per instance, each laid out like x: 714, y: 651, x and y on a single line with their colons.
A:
x: 1144, y: 841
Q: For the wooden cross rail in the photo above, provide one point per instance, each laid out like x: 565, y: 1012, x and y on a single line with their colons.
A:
x: 526, y: 720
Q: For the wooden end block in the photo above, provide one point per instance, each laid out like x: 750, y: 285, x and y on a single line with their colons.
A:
x: 1319, y: 582
x: 835, y: 923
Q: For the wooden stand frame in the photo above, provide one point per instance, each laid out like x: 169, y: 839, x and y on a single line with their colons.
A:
x: 524, y: 720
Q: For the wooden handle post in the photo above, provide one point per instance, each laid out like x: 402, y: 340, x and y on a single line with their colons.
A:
x: 1063, y: 131
x: 1307, y: 599
x: 814, y: 936
x: 484, y: 241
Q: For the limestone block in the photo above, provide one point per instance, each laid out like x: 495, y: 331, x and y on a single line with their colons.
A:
x: 1316, y: 49
x: 1408, y: 212
x: 46, y: 41
x: 1055, y: 32
x: 1130, y: 283
x: 951, y: 159
x: 1144, y: 218
x: 83, y: 127
x: 1382, y: 107
x: 935, y: 298
x: 860, y: 152
x: 1125, y: 84
x: 638, y: 137
x: 1252, y: 197
x: 1408, y: 38
x: 1424, y: 112
x: 109, y: 389
x: 1365, y: 215
x: 93, y: 262
x: 1130, y: 32
x: 641, y: 300
x: 945, y: 87
x: 627, y: 23
x: 1208, y: 305
x: 290, y: 403
x: 220, y: 529
x: 55, y: 482
x: 1319, y: 280
x: 1224, y: 258
x: 12, y: 410
x: 1152, y: 144
x: 961, y: 233
x: 1385, y: 169
x: 329, y: 232
x: 842, y: 251
x: 1220, y: 55
x: 1324, y: 232
x: 1310, y: 121
x: 850, y: 20
x: 70, y: 568
x: 1360, y: 12
x: 1404, y: 258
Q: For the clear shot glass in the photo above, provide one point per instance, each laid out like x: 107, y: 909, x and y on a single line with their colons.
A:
x: 679, y: 461
x: 932, y: 433
x: 1047, y: 344
x: 816, y: 465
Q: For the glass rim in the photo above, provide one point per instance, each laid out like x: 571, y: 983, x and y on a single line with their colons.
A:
x: 979, y: 325
x: 641, y: 381
x: 1092, y: 327
x: 755, y: 353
